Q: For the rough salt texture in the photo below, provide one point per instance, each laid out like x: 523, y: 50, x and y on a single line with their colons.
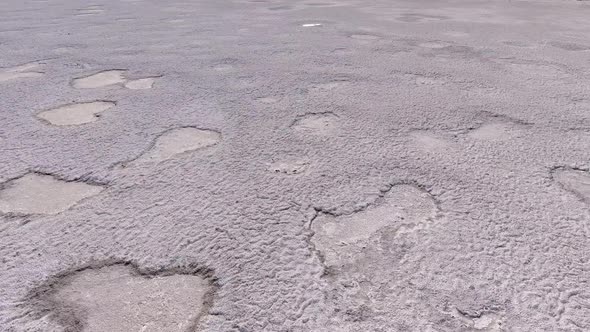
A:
x: 478, y: 111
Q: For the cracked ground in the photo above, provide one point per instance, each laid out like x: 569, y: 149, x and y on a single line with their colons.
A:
x: 294, y: 165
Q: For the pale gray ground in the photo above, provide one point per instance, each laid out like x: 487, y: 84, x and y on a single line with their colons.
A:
x: 303, y: 165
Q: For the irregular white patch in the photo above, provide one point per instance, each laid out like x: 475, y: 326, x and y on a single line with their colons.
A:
x: 75, y: 114
x: 267, y: 100
x: 223, y: 68
x: 118, y: 299
x: 99, y: 80
x: 575, y: 181
x: 141, y: 84
x: 22, y: 71
x: 318, y: 124
x: 179, y: 141
x: 308, y: 25
x: 404, y: 208
x: 43, y: 194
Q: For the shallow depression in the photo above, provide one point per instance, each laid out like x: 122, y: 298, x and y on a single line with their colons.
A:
x: 141, y: 84
x: 576, y: 181
x: 75, y: 114
x: 180, y: 140
x: 118, y: 299
x: 28, y: 70
x: 99, y: 80
x: 404, y: 208
x: 43, y: 194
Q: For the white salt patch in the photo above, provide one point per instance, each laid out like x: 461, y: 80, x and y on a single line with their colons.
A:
x: 75, y: 114
x: 22, y: 71
x: 141, y: 84
x: 99, y: 80
x: 117, y: 299
x: 43, y: 194
x: 179, y: 141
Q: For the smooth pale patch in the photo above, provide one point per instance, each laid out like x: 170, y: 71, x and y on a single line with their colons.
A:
x: 75, y: 114
x: 267, y: 100
x: 22, y: 71
x: 223, y: 68
x: 491, y: 131
x: 289, y: 167
x: 404, y: 208
x: 43, y: 194
x: 428, y: 142
x: 179, y: 141
x: 141, y: 84
x: 309, y: 25
x: 99, y: 80
x: 575, y: 181
x: 318, y: 124
x: 434, y: 44
x: 118, y: 299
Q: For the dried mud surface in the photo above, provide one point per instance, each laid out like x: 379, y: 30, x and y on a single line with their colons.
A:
x: 273, y: 165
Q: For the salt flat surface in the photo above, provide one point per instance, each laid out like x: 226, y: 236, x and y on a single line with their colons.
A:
x: 301, y: 165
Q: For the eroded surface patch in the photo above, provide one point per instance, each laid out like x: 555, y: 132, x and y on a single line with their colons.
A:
x: 99, y: 80
x: 113, y: 77
x: 28, y: 70
x: 316, y: 123
x: 268, y: 100
x: 404, y: 208
x: 75, y: 114
x: 575, y: 181
x: 141, y: 84
x: 178, y: 141
x: 43, y: 194
x: 118, y: 299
